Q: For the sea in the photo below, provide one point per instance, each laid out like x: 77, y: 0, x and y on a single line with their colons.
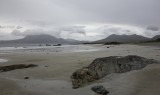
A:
x: 6, y: 48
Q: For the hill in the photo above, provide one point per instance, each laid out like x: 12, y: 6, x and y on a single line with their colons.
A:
x: 156, y: 37
x: 124, y: 38
x: 43, y: 38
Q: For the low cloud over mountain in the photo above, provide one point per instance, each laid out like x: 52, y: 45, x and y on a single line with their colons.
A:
x: 79, y: 19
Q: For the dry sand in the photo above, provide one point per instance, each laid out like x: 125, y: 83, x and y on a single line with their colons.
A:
x: 52, y: 76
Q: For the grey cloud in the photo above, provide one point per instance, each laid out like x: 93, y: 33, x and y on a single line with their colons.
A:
x: 16, y: 32
x: 19, y: 27
x: 60, y: 17
x: 79, y: 32
x: 63, y: 32
x: 136, y: 12
x: 73, y: 29
x: 105, y: 31
x: 2, y: 35
x: 153, y: 28
x: 116, y: 30
x: 40, y: 23
x: 149, y: 32
x: 7, y: 26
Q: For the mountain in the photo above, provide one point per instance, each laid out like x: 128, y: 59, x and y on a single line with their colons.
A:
x: 156, y: 37
x: 43, y: 38
x: 124, y: 38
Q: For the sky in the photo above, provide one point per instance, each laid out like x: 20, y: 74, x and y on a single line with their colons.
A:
x: 79, y: 19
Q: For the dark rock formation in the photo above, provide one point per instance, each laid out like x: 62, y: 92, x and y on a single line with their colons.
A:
x: 48, y: 45
x: 101, y: 67
x: 57, y: 45
x: 100, y: 90
x: 26, y: 78
x: 14, y: 67
x: 112, y: 43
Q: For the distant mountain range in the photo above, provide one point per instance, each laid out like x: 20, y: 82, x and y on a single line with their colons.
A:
x: 124, y: 38
x: 127, y: 38
x: 43, y: 38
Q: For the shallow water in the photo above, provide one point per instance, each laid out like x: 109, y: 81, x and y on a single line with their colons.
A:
x: 63, y: 48
x: 3, y: 60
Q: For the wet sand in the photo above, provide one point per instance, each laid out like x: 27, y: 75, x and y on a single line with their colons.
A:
x: 52, y: 76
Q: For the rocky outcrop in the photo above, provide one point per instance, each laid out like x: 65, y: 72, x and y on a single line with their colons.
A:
x: 101, y: 67
x: 17, y: 66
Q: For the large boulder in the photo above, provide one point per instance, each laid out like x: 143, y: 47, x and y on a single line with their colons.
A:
x: 101, y: 67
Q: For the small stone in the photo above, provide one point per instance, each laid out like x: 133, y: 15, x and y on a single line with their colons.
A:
x: 100, y: 90
x: 26, y: 78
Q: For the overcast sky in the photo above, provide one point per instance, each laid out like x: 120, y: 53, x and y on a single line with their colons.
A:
x: 78, y: 19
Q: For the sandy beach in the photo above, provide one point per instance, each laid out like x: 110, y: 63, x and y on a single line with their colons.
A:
x: 56, y: 65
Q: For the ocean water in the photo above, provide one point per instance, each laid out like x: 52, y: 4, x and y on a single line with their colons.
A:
x: 36, y: 48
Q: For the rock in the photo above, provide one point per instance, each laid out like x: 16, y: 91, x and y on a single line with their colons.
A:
x: 57, y: 45
x: 112, y: 43
x: 101, y: 67
x: 17, y: 66
x: 100, y: 90
x: 40, y: 45
x: 48, y: 45
x: 26, y: 78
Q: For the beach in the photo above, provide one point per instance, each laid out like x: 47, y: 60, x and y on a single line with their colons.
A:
x: 56, y: 65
